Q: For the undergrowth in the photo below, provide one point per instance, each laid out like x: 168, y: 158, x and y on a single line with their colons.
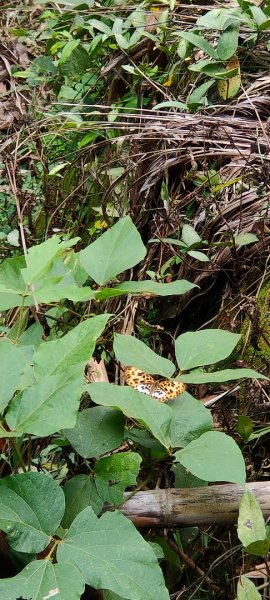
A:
x: 134, y: 227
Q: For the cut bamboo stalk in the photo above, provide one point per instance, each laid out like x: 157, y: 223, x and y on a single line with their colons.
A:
x: 215, y: 504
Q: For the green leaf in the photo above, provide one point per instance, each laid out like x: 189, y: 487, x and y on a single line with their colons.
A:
x: 111, y: 554
x: 199, y: 92
x: 258, y: 15
x: 185, y: 479
x: 80, y: 492
x: 49, y: 405
x: 246, y: 590
x: 199, y: 42
x: 190, y: 419
x: 39, y: 259
x: 77, y: 346
x: 170, y: 104
x: 31, y: 509
x: 206, y: 347
x: 13, y: 291
x: 131, y: 351
x: 97, y: 430
x: 243, y: 239
x: 258, y: 433
x: 228, y: 42
x: 121, y: 41
x: 198, y: 255
x: 221, y: 18
x: 251, y: 527
x: 115, y: 251
x: 153, y: 415
x: 175, y: 288
x: 57, y: 168
x: 214, y: 456
x: 100, y: 26
x: 76, y: 63
x: 220, y: 376
x: 12, y: 362
x: 244, y: 426
x: 190, y: 236
x: 41, y: 579
x: 115, y: 473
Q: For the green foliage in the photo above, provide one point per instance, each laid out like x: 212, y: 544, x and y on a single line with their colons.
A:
x: 40, y: 396
x: 246, y: 590
x: 204, y: 458
x: 252, y: 532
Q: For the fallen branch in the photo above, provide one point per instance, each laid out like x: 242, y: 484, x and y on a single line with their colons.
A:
x: 216, y: 504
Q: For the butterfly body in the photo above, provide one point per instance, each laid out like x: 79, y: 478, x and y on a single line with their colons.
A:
x: 162, y: 390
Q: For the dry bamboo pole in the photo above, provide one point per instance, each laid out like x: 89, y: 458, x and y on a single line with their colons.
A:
x: 215, y: 504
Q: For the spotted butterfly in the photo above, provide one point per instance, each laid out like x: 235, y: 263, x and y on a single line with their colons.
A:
x: 160, y: 389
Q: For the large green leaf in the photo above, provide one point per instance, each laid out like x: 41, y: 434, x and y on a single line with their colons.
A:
x: 197, y: 348
x: 220, y: 376
x: 115, y: 473
x: 12, y: 367
x: 39, y: 259
x: 251, y: 527
x: 131, y: 351
x: 175, y: 288
x: 80, y: 492
x: 97, y: 430
x: 49, y: 405
x: 111, y: 554
x: 190, y: 419
x: 246, y: 589
x: 228, y: 42
x: 156, y: 417
x: 214, y: 456
x: 42, y: 580
x: 76, y: 346
x: 199, y: 42
x: 117, y: 250
x: 31, y: 508
x: 76, y: 63
x: 13, y: 290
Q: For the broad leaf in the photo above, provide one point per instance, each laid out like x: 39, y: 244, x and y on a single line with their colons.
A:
x: 175, y: 288
x: 243, y: 239
x: 80, y: 492
x: 199, y: 42
x: 214, y: 456
x: 131, y: 351
x: 153, y: 415
x: 117, y: 250
x: 190, y: 419
x: 115, y: 473
x: 13, y: 290
x: 12, y: 367
x: 42, y: 580
x: 111, y: 554
x: 76, y: 63
x: 251, y: 527
x: 221, y: 376
x: 49, y: 405
x: 31, y: 509
x: 185, y: 479
x: 194, y: 349
x: 75, y: 347
x: 39, y: 258
x: 228, y: 42
x: 97, y: 430
x: 246, y: 590
x: 190, y: 236
x: 198, y: 255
